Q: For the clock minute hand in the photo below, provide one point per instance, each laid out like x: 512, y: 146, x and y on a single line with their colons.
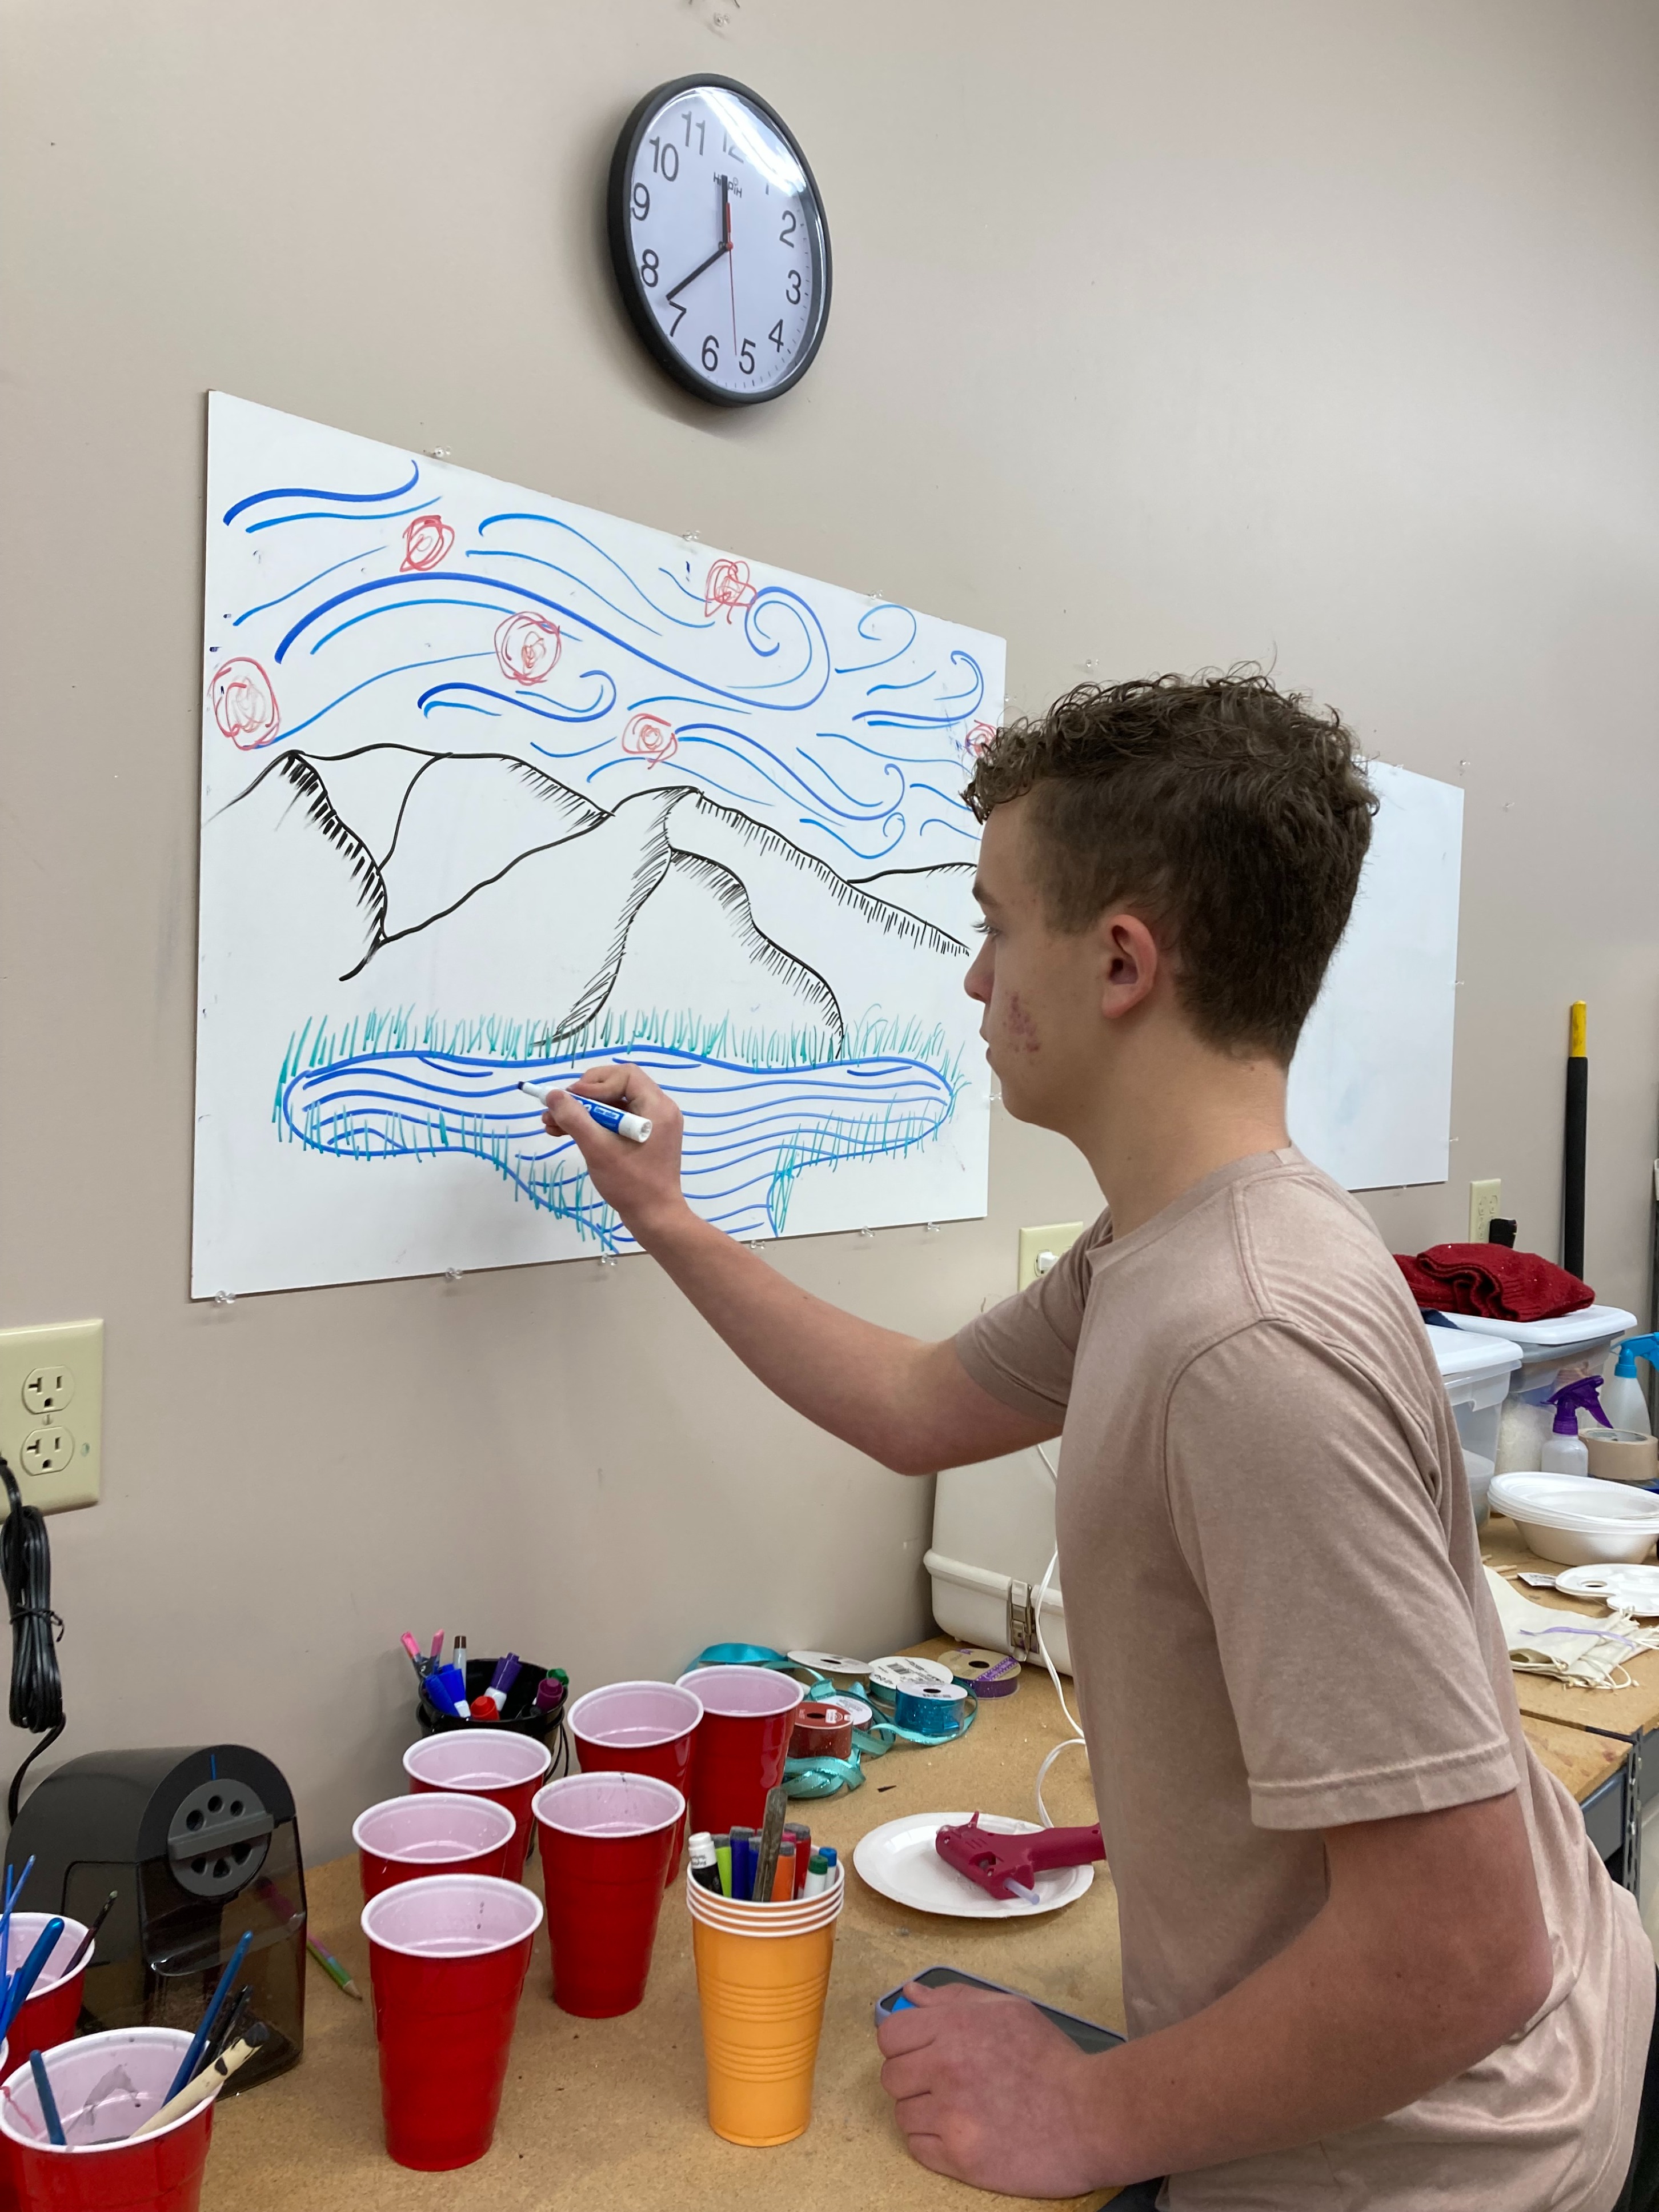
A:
x: 722, y: 249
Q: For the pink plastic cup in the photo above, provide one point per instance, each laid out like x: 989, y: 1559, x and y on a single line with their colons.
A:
x: 606, y: 1840
x: 103, y: 2087
x: 640, y: 1728
x: 507, y: 1768
x: 439, y: 1832
x: 739, y: 1749
x: 54, y: 2003
x: 447, y: 1956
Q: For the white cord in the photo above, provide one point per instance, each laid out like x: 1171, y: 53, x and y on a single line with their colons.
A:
x: 1077, y: 1735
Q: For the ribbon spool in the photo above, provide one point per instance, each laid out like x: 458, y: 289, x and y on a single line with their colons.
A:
x: 931, y: 1709
x: 987, y: 1674
x: 822, y: 1731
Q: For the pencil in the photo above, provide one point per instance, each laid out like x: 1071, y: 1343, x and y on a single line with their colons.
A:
x: 331, y: 1966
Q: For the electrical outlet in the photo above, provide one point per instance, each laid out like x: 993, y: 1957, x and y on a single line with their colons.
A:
x: 51, y: 1412
x: 1040, y: 1247
x: 1485, y: 1203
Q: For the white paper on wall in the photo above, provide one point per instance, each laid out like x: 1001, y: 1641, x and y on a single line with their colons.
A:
x: 496, y: 787
x: 1371, y: 1085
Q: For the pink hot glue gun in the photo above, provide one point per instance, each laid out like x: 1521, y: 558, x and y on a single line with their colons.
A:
x: 1006, y: 1866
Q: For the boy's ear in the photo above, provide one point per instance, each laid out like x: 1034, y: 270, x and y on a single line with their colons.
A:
x: 1129, y: 963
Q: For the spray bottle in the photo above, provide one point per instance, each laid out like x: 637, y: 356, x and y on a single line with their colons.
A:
x: 1626, y: 1407
x: 1563, y: 1453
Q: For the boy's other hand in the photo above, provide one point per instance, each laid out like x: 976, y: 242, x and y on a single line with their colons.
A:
x: 989, y: 2092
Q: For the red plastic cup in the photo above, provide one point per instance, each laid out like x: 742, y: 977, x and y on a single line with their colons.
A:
x: 507, y: 1768
x: 54, y: 2003
x: 739, y: 1749
x: 447, y: 1956
x: 103, y: 2087
x: 606, y: 1840
x: 439, y: 1832
x: 640, y: 1728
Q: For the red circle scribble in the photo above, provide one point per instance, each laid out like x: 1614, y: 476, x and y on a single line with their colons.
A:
x: 426, y: 540
x: 244, y: 705
x: 528, y: 648
x: 728, y: 587
x: 650, y: 737
x: 979, y: 736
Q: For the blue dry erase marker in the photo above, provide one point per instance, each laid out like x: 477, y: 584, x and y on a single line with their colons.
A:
x: 637, y: 1127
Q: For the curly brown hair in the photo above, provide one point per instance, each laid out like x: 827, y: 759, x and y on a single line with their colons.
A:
x: 1236, y: 815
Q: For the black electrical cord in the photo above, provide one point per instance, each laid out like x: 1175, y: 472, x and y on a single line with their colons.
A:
x: 37, y: 1687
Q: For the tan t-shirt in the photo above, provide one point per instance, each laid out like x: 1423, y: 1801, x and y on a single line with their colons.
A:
x: 1279, y: 1623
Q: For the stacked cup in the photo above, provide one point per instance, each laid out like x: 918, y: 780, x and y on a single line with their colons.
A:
x: 763, y: 1971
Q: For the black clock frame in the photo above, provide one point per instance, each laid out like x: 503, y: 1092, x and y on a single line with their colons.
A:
x: 634, y: 296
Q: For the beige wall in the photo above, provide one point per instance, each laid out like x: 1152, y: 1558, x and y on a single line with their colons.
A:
x: 1165, y: 332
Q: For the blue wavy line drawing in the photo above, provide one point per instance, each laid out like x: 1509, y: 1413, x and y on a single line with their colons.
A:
x: 913, y: 683
x: 957, y: 828
x: 894, y: 822
x: 443, y: 661
x: 309, y: 491
x: 750, y: 1132
x: 886, y: 607
x: 504, y: 553
x: 555, y: 522
x: 540, y: 706
x: 280, y: 521
x: 404, y: 607
x: 595, y: 629
x: 266, y: 606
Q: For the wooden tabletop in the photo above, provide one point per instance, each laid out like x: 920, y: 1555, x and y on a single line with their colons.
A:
x: 1620, y: 1712
x: 611, y: 2112
x: 1575, y: 1755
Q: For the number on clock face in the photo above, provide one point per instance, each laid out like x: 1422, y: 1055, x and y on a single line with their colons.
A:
x: 720, y: 241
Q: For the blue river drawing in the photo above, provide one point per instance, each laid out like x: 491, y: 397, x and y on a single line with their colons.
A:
x: 750, y: 1132
x: 480, y: 765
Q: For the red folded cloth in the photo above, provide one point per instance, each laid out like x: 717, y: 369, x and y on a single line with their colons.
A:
x: 1492, y: 1281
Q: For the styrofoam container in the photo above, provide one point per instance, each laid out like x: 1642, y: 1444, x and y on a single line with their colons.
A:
x: 1575, y: 1521
x: 1552, y: 1353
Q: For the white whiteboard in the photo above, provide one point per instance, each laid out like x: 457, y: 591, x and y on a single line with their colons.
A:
x: 1370, y: 1085
x: 495, y: 787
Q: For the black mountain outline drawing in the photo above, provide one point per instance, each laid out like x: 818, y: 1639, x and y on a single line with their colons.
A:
x: 305, y: 775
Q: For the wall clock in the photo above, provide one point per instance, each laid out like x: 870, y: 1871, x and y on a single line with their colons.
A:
x: 719, y: 240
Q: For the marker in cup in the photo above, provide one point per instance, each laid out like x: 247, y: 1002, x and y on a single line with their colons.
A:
x: 637, y: 1127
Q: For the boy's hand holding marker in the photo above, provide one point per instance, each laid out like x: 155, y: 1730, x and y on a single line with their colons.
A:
x: 636, y: 1176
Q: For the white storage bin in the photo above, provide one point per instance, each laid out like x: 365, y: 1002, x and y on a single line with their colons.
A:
x: 993, y: 1536
x: 1552, y: 1353
x: 1476, y: 1372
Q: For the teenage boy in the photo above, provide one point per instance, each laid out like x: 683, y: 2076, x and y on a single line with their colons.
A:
x: 1369, y: 1957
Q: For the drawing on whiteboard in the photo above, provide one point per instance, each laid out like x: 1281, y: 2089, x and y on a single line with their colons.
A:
x: 546, y: 788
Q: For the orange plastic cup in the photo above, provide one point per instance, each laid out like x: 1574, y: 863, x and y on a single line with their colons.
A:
x: 763, y: 1971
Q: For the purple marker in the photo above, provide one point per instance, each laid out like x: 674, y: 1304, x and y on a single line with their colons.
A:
x: 506, y: 1675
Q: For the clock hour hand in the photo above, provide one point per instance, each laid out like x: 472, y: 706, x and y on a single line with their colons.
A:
x: 720, y: 251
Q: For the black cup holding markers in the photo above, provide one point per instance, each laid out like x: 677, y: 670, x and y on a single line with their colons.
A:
x: 518, y: 1716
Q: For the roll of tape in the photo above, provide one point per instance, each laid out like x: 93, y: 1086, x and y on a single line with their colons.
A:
x: 987, y: 1674
x: 822, y: 1731
x: 934, y: 1709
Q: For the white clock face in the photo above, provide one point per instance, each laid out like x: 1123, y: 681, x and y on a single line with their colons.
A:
x: 726, y: 242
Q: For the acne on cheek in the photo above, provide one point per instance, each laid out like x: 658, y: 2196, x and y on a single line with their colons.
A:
x: 1021, y: 1028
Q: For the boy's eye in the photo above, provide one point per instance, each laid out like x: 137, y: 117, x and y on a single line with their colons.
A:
x: 984, y: 929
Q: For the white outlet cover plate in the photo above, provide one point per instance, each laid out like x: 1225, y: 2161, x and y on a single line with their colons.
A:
x: 1057, y: 1236
x: 77, y: 1348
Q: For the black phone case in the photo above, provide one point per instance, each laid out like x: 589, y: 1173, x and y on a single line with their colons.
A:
x: 1087, y: 2034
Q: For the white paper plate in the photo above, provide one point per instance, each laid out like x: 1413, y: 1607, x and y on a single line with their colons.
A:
x: 901, y: 1860
x: 1633, y: 1590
